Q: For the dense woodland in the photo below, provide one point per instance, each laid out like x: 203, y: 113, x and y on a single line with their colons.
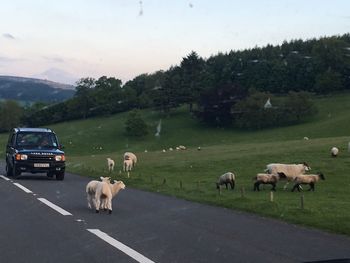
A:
x: 223, y: 90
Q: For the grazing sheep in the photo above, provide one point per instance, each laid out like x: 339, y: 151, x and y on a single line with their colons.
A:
x: 181, y: 147
x: 334, y: 151
x: 290, y: 170
x: 91, y: 189
x: 309, y: 179
x: 110, y: 164
x: 226, y: 178
x: 262, y: 178
x: 306, y: 138
x: 131, y: 156
x: 127, y: 165
x: 105, y: 193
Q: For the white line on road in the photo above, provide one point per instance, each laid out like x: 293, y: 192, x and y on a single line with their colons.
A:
x: 54, y: 207
x: 4, y: 177
x: 115, y: 243
x: 23, y: 188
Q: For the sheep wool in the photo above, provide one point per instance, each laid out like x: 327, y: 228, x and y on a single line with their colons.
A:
x: 334, y: 151
x: 263, y: 178
x: 310, y: 179
x: 225, y: 179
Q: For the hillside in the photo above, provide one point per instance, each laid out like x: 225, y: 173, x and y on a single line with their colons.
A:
x: 33, y: 90
x: 191, y: 174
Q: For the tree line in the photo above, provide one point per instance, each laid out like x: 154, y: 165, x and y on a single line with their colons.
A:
x: 224, y: 89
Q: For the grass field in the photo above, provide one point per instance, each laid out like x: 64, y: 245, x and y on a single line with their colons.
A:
x: 191, y: 174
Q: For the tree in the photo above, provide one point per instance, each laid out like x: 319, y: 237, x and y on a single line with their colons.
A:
x: 10, y: 115
x: 135, y: 126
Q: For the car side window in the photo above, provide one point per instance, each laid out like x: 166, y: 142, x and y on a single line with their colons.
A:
x: 11, y: 140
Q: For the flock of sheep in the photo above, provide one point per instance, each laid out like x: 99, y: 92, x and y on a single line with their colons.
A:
x: 274, y: 172
x: 101, y: 193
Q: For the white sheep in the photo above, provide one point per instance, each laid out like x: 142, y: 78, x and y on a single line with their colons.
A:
x: 181, y: 147
x: 225, y: 179
x: 334, y: 151
x: 290, y: 170
x: 110, y: 164
x: 105, y: 193
x: 263, y: 178
x: 130, y: 156
x: 309, y: 179
x: 91, y: 189
x: 127, y: 165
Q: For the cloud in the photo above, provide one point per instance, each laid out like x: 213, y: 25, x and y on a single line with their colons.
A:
x: 54, y: 59
x: 8, y: 36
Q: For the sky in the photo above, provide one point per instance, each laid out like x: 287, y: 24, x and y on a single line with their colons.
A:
x: 67, y: 40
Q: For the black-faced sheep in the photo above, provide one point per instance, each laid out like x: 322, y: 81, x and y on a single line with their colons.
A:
x: 310, y: 179
x: 262, y: 178
x: 225, y: 179
x: 290, y: 170
x: 334, y: 151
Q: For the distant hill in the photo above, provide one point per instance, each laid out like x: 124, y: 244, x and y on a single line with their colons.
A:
x: 34, y: 90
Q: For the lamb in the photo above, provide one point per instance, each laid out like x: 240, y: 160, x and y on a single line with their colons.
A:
x: 309, y: 179
x: 105, y: 192
x: 131, y: 156
x: 263, y: 178
x: 226, y: 178
x: 91, y: 189
x: 290, y: 170
x: 110, y: 164
x: 127, y: 165
x: 334, y: 151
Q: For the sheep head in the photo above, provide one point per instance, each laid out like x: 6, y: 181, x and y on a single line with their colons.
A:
x: 306, y: 166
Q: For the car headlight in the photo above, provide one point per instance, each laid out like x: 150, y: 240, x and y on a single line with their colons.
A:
x: 21, y: 157
x: 60, y: 158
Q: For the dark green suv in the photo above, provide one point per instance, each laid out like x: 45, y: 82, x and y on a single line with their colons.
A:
x: 34, y: 150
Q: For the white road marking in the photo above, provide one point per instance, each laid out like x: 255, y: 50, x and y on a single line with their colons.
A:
x: 54, y: 207
x: 23, y: 188
x: 4, y: 177
x: 125, y: 249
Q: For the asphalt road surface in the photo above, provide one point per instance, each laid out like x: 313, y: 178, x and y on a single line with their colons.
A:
x: 44, y: 220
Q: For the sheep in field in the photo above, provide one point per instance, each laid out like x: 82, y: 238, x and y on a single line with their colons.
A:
x: 130, y: 156
x: 91, y: 189
x: 110, y: 164
x: 310, y: 179
x: 105, y: 191
x: 127, y: 165
x: 225, y: 179
x: 334, y: 151
x: 262, y: 178
x: 290, y: 170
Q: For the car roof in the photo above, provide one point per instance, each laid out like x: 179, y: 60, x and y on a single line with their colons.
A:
x: 32, y: 130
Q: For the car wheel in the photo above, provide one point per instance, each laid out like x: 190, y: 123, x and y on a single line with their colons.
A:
x: 15, y: 172
x: 8, y: 170
x: 60, y: 176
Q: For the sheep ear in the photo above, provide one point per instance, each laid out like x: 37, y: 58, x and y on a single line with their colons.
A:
x: 101, y: 177
x: 115, y: 181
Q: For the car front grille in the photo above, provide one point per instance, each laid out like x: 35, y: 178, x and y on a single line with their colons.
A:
x: 41, y: 158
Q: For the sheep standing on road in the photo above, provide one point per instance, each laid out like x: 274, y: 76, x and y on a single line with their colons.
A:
x: 110, y: 164
x: 334, y: 151
x: 91, y: 189
x: 262, y: 178
x: 310, y: 179
x: 105, y: 191
x: 225, y: 179
x: 290, y: 170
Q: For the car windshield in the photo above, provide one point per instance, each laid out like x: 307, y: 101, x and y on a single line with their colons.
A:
x: 37, y: 139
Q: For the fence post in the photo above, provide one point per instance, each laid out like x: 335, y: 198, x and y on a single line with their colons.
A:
x: 164, y: 181
x: 302, y: 201
x: 242, y: 192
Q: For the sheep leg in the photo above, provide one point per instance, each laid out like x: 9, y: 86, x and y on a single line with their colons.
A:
x: 109, y: 204
x: 285, y: 186
x: 296, y: 186
x: 312, y: 187
x: 226, y: 186
x: 256, y: 186
x: 232, y: 185
x: 89, y: 200
x: 273, y: 187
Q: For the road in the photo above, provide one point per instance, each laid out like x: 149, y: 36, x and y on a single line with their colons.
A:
x: 44, y: 220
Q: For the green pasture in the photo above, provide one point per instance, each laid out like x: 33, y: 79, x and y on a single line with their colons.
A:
x: 191, y: 174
